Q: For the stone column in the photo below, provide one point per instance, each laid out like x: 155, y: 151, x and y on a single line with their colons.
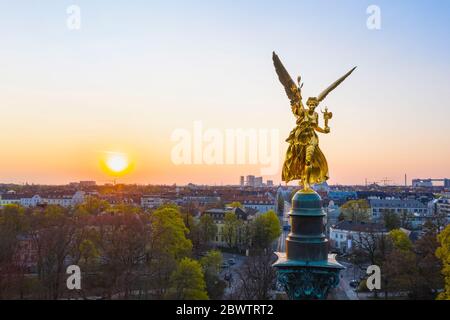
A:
x: 306, y: 270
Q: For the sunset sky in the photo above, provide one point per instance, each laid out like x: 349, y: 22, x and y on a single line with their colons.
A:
x: 137, y: 71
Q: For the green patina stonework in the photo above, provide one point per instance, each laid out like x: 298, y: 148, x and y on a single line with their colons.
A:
x: 306, y: 270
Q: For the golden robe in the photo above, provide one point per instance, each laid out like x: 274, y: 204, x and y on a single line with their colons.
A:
x: 303, y: 143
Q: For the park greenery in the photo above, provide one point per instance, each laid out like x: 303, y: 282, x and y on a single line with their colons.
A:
x: 356, y: 210
x: 443, y: 253
x: 124, y: 252
x: 414, y: 270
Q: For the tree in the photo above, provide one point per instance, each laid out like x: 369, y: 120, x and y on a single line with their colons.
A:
x: 123, y: 208
x: 188, y: 282
x: 13, y: 222
x: 400, y: 240
x: 13, y: 217
x: 170, y: 231
x: 244, y: 235
x: 92, y: 206
x: 53, y: 234
x: 212, y: 261
x: 201, y: 231
x: 370, y: 248
x: 126, y: 253
x: 356, y: 210
x: 443, y: 253
x: 167, y: 245
x: 235, y: 204
x: 399, y: 271
x: 194, y: 233
x: 280, y: 204
x: 391, y: 219
x: 230, y: 229
x: 256, y: 277
x: 406, y: 219
x: 413, y: 268
x: 266, y: 229
x: 88, y: 251
x: 211, y: 264
x: 428, y: 265
x: 120, y: 240
x: 207, y: 229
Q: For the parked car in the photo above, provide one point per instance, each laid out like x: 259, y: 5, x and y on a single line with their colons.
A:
x: 354, y: 284
x: 231, y: 262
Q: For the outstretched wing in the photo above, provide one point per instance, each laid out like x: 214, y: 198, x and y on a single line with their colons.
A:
x: 333, y: 86
x: 286, y: 80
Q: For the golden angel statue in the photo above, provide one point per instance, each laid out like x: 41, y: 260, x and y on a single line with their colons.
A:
x: 304, y: 159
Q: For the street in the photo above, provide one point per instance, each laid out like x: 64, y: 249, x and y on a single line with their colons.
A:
x: 348, y: 274
x: 231, y: 271
x: 284, y: 219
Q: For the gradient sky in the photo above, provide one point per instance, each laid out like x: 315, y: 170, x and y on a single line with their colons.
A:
x: 138, y: 70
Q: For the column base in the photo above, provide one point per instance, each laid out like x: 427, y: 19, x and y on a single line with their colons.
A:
x: 307, y: 280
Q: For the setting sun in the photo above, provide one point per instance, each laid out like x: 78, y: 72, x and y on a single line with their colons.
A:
x: 117, y: 162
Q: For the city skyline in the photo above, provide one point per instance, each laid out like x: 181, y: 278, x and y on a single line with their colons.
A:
x: 132, y: 75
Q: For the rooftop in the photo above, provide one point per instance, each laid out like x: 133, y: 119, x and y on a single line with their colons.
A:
x: 360, y: 226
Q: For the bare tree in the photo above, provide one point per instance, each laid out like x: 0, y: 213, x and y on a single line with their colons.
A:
x: 256, y: 278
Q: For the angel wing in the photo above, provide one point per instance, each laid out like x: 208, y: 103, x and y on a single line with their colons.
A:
x: 334, y: 85
x: 292, y: 90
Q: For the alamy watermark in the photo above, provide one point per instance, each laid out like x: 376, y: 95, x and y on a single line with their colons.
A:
x: 74, y: 280
x: 213, y: 146
x: 73, y: 21
x: 374, y: 19
x: 374, y: 279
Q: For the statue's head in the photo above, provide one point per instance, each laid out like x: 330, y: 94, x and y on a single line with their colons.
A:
x: 312, y: 103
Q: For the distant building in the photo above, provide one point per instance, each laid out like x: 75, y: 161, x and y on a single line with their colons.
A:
x: 440, y: 208
x: 428, y: 183
x: 346, y: 235
x: 321, y: 187
x: 443, y: 205
x: 399, y: 206
x: 218, y: 215
x: 340, y: 197
x: 261, y: 206
x: 63, y: 200
x: 200, y: 200
x: 270, y: 183
x: 333, y: 212
x: 250, y: 181
x: 88, y: 183
x: 31, y: 202
x: 151, y: 202
x: 7, y: 199
x: 242, y: 181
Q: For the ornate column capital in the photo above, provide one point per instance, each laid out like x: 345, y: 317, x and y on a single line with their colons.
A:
x: 305, y: 283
